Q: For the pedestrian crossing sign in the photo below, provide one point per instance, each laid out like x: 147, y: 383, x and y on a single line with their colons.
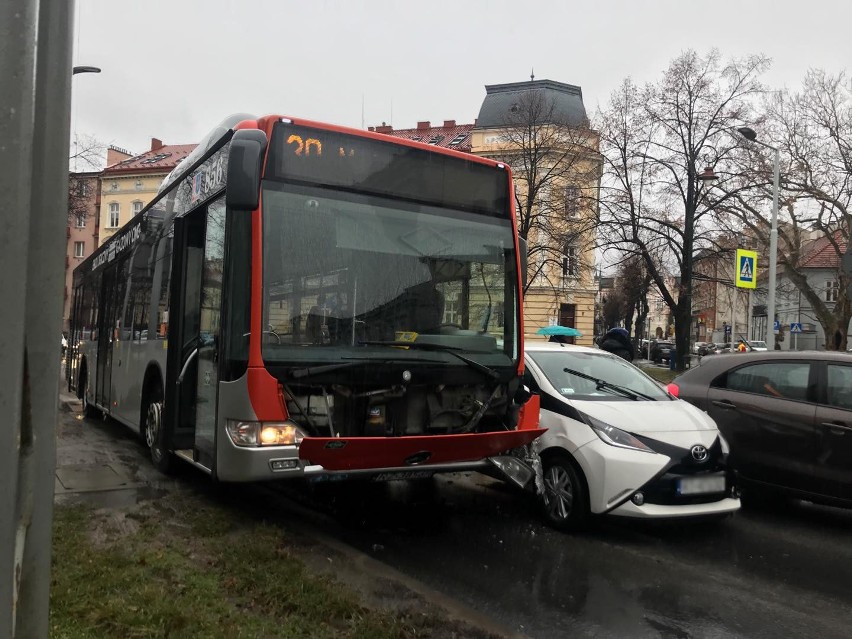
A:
x: 746, y: 268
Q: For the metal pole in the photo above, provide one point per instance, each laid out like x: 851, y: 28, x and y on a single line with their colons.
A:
x: 36, y: 61
x: 773, y: 254
x: 44, y: 301
x: 18, y: 24
x: 734, y: 318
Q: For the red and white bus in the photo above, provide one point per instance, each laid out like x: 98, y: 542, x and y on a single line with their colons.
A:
x: 309, y: 300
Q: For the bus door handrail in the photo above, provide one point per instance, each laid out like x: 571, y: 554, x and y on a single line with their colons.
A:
x: 186, y: 364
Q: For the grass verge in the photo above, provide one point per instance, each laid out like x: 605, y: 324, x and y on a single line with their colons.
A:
x: 661, y: 374
x: 184, y: 567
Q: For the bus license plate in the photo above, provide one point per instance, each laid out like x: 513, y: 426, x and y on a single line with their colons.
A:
x: 701, y: 485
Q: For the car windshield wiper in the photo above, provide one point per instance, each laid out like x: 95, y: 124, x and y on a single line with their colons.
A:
x: 452, y: 350
x: 603, y: 384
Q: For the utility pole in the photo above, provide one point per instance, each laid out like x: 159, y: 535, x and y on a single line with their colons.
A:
x: 35, y: 63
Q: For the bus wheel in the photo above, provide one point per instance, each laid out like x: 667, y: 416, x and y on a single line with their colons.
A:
x: 153, y: 431
x: 89, y: 410
x: 563, y: 503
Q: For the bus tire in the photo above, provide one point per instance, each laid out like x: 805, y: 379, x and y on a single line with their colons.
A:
x: 152, y: 429
x: 89, y: 410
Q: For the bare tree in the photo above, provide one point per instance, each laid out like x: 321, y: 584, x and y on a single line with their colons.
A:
x: 634, y: 282
x: 556, y: 168
x: 86, y: 160
x: 812, y: 129
x: 655, y: 139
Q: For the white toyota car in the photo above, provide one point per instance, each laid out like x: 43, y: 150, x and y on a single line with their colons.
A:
x: 617, y: 443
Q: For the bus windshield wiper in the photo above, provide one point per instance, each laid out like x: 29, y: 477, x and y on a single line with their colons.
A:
x: 603, y: 384
x: 309, y: 371
x: 452, y: 350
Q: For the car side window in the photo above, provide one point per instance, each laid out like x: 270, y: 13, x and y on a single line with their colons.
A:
x: 787, y: 380
x: 839, y: 391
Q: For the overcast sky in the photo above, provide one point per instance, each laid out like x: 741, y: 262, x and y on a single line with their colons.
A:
x: 174, y: 69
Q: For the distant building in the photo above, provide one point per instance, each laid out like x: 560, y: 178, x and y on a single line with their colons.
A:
x: 130, y: 183
x: 83, y: 206
x: 448, y: 135
x: 820, y: 263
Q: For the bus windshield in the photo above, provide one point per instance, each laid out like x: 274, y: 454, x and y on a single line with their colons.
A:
x: 348, y: 271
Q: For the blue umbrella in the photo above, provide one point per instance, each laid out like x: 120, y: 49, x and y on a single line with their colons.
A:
x: 567, y: 331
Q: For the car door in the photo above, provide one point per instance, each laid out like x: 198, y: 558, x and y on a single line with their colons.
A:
x: 834, y: 429
x: 766, y: 411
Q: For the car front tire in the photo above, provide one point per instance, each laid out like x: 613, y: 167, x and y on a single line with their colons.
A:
x: 564, y: 501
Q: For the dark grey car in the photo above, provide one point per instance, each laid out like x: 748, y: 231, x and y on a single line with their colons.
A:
x: 787, y: 417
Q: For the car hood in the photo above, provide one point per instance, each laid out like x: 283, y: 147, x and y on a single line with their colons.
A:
x: 646, y: 418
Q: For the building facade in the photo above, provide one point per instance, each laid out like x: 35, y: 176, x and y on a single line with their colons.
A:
x: 82, y: 230
x: 540, y: 129
x: 128, y: 185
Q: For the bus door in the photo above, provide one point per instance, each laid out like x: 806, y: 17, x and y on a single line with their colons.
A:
x: 106, y: 338
x: 202, y: 252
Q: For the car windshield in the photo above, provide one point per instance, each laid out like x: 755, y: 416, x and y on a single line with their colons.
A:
x: 609, y: 369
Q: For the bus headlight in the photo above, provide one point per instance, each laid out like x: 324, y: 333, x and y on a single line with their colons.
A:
x: 264, y: 433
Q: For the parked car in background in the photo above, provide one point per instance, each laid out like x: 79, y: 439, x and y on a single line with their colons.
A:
x: 617, y: 443
x: 661, y: 350
x: 787, y: 416
x: 696, y: 346
x: 707, y: 348
x: 757, y: 345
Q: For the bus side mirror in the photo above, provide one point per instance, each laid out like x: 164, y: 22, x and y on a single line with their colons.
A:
x: 522, y: 244
x: 245, y: 162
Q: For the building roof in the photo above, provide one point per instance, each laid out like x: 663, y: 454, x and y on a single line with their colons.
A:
x: 449, y: 136
x: 161, y: 159
x: 567, y: 100
x: 820, y: 253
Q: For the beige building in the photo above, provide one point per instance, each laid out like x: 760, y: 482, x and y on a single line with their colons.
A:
x: 127, y: 185
x: 540, y: 129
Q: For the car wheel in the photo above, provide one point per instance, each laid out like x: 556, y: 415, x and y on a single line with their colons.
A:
x: 153, y: 430
x: 563, y: 502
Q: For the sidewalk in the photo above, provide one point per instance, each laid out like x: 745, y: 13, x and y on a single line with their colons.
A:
x: 99, y: 461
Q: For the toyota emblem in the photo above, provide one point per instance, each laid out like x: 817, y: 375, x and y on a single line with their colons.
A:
x: 699, y: 453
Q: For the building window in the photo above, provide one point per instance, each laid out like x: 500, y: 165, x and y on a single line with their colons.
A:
x: 113, y: 215
x: 79, y: 249
x: 451, y: 309
x: 832, y: 289
x: 572, y: 200
x: 80, y: 221
x: 137, y: 207
x: 569, y: 262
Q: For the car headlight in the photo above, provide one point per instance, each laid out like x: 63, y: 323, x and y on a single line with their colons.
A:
x: 613, y: 436
x: 248, y: 433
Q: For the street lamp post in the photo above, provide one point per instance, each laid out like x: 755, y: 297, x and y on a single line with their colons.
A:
x: 750, y: 135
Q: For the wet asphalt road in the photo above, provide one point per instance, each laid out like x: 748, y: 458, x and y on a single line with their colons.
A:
x: 768, y: 572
